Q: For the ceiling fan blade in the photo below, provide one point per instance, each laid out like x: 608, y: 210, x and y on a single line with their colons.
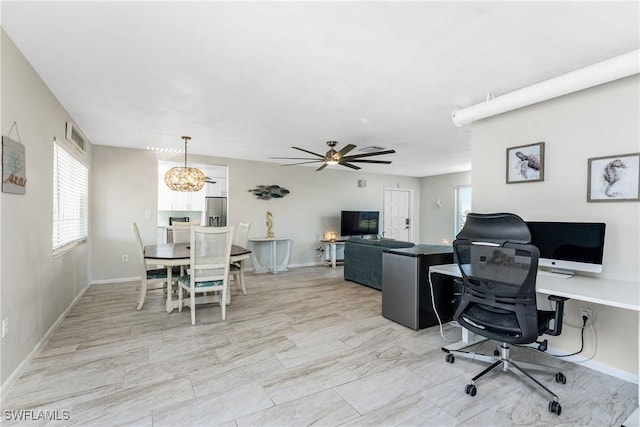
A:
x: 302, y: 163
x: 345, y: 150
x: 349, y: 165
x: 385, y: 162
x: 324, y: 165
x: 296, y: 158
x: 377, y: 153
x: 310, y: 152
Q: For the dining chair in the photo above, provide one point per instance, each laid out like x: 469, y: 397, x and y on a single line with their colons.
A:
x: 148, y: 276
x: 181, y: 231
x: 237, y: 266
x: 209, y: 267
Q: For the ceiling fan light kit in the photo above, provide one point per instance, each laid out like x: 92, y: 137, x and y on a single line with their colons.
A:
x: 333, y: 157
x: 184, y: 178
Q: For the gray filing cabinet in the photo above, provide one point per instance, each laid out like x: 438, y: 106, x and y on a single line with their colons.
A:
x: 406, y: 294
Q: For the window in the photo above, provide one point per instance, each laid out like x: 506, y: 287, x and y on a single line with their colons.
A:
x: 70, y: 195
x: 463, y: 206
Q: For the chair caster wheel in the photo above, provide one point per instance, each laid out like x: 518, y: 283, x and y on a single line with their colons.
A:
x: 555, y: 407
x: 471, y: 389
x: 450, y: 358
x: 560, y: 378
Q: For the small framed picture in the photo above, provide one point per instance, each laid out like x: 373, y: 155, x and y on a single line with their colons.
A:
x: 614, y: 178
x: 525, y: 163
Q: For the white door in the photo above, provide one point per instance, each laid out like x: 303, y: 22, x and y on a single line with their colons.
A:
x: 397, y: 214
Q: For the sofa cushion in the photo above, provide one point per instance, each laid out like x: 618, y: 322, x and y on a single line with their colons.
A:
x: 395, y: 244
x: 360, y: 240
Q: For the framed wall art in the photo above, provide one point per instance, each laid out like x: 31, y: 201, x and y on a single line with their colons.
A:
x: 14, y: 170
x: 525, y: 163
x: 614, y: 178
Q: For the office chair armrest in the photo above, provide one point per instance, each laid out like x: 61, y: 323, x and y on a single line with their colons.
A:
x: 557, y: 318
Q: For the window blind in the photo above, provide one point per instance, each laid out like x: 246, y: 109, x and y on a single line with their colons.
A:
x: 70, y: 195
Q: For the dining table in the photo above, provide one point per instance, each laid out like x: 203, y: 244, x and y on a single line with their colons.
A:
x: 179, y: 254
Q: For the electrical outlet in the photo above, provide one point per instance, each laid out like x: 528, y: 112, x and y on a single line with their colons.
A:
x: 588, y: 313
x: 124, y: 258
x: 5, y: 327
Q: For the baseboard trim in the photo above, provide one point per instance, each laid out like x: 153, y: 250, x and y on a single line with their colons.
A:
x: 119, y: 280
x: 36, y: 349
x: 596, y: 366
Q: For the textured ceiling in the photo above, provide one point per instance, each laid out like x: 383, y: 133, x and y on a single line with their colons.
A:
x: 250, y: 80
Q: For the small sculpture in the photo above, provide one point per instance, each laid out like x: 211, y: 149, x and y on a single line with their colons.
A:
x: 269, y: 223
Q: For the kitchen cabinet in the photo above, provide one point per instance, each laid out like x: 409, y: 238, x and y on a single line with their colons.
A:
x: 217, y: 189
x: 169, y: 200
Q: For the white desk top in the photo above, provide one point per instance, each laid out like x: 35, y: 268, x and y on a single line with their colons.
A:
x: 613, y: 293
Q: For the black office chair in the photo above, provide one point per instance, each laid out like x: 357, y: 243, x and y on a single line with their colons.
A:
x: 499, y: 268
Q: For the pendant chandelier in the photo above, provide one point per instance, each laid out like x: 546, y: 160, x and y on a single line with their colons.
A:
x: 184, y: 178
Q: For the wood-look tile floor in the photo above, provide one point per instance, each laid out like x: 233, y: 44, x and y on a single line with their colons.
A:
x: 303, y: 347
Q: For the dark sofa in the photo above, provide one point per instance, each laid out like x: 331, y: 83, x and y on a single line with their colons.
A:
x: 363, y: 259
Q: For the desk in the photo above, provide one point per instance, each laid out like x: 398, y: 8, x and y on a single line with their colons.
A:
x: 270, y: 243
x: 171, y: 254
x: 612, y: 293
x: 331, y: 248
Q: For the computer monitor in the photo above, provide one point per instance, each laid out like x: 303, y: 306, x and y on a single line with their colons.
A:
x: 569, y: 246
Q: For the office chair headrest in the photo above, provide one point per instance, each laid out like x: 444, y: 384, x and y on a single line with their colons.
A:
x: 495, y: 227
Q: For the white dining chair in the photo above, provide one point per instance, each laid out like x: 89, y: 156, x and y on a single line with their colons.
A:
x: 148, y: 275
x: 181, y: 231
x: 237, y: 266
x: 209, y: 267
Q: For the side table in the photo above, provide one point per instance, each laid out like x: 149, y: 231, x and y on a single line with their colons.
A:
x: 273, y: 264
x: 331, y: 248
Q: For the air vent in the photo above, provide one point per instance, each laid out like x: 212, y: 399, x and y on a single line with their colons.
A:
x: 73, y: 135
x: 372, y: 149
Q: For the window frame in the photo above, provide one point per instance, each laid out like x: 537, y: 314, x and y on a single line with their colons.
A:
x: 459, y: 216
x: 75, y: 184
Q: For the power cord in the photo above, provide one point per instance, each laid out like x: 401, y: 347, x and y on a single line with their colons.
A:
x: 584, y: 325
x: 595, y: 343
x: 435, y: 310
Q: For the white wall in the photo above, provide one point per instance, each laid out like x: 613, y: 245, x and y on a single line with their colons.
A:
x: 438, y: 223
x: 312, y: 207
x: 596, y: 122
x: 124, y: 187
x: 36, y: 288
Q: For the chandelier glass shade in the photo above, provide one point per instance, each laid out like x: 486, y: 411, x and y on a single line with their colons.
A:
x: 184, y: 178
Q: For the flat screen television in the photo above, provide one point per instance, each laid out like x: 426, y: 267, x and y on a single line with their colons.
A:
x: 359, y: 223
x: 569, y: 246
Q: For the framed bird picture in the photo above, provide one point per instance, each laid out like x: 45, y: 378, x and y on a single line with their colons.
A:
x: 525, y: 163
x: 614, y: 178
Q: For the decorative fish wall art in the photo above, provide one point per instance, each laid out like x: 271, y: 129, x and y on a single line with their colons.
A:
x: 268, y: 192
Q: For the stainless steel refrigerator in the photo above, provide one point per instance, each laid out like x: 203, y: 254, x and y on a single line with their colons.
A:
x: 216, y: 211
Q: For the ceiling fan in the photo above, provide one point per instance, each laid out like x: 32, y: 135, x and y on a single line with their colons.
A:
x: 333, y: 157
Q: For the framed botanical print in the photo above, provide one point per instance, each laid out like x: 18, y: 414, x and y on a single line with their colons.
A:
x: 525, y: 163
x: 614, y: 178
